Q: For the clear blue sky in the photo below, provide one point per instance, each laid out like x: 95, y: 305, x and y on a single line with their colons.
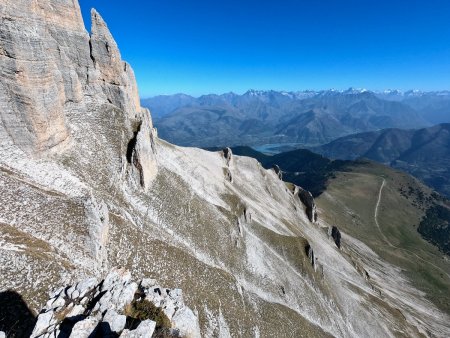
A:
x: 211, y: 46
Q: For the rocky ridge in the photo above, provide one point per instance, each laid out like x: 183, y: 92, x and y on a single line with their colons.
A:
x: 86, y: 185
x: 116, y: 306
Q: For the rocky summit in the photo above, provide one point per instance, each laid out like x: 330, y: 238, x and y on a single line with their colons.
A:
x: 86, y: 186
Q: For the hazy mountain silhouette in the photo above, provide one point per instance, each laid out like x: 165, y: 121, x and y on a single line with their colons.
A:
x: 259, y: 117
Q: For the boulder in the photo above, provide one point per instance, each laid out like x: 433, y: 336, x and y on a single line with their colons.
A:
x: 85, y: 328
x: 55, y: 303
x: 113, y: 322
x: 77, y: 310
x: 86, y: 286
x: 187, y: 323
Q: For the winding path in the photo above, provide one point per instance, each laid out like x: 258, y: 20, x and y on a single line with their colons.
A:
x: 388, y: 242
x: 376, y: 215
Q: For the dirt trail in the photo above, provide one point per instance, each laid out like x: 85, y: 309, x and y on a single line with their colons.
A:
x: 386, y: 239
x: 376, y: 215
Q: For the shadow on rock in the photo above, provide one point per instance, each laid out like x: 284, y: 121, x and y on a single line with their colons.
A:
x: 16, y: 319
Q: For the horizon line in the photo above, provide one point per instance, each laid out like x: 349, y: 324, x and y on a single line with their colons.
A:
x: 361, y: 90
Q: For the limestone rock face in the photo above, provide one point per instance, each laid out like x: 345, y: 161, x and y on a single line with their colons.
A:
x: 117, y: 77
x: 84, y: 328
x: 104, y: 51
x: 54, y: 75
x: 91, y: 307
x: 35, y: 87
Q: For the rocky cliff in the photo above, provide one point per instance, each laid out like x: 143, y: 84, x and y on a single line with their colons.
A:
x: 86, y: 185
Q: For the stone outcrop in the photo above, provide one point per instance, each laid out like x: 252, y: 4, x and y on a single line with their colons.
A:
x: 36, y: 40
x: 227, y: 154
x: 308, y: 201
x: 278, y: 171
x: 140, y: 150
x: 116, y: 77
x: 115, y: 306
x: 310, y: 254
x: 336, y: 235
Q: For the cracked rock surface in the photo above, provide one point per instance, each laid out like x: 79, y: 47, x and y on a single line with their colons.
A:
x: 108, y: 308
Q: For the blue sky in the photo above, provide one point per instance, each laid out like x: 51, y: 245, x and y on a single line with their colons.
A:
x: 211, y: 46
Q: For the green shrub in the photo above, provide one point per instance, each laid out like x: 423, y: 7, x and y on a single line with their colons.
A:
x: 143, y: 309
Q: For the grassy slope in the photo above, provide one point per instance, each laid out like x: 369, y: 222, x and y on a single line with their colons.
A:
x: 350, y: 202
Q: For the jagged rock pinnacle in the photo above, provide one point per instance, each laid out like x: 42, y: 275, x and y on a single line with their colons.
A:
x: 104, y: 51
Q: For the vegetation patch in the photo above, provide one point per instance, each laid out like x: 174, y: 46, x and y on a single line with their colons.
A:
x: 350, y: 203
x: 435, y: 227
x: 142, y: 309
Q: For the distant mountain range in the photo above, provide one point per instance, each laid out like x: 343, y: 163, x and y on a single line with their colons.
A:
x: 424, y: 153
x: 433, y: 106
x: 304, y: 118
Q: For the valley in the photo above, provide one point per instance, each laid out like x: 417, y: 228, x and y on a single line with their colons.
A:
x: 424, y: 153
x: 265, y: 117
x: 379, y: 215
